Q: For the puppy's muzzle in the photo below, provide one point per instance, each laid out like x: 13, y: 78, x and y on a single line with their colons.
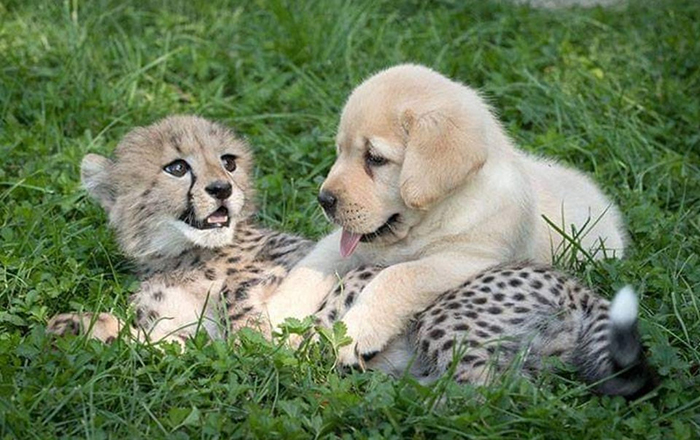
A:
x: 328, y: 202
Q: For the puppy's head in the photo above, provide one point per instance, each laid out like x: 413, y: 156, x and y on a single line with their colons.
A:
x: 408, y: 137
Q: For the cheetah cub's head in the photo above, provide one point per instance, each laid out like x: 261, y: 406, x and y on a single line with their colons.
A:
x: 182, y: 182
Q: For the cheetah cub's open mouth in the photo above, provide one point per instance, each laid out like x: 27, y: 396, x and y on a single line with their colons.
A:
x: 217, y: 219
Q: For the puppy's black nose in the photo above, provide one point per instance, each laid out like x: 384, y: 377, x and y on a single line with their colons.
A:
x: 327, y: 201
x: 219, y: 189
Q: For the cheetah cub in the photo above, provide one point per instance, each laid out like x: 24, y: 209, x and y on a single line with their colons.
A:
x: 515, y: 316
x: 180, y: 198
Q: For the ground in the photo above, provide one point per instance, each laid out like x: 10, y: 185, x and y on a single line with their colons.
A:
x: 613, y: 91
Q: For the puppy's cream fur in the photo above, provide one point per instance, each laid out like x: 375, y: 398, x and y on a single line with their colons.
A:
x: 466, y: 200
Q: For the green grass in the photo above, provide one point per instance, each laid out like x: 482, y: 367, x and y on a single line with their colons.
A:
x: 613, y: 92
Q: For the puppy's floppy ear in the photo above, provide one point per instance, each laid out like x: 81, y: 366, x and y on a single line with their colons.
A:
x: 94, y: 173
x: 441, y: 154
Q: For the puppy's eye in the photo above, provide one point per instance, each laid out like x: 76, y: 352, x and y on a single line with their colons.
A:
x: 177, y: 168
x: 375, y: 161
x: 229, y: 162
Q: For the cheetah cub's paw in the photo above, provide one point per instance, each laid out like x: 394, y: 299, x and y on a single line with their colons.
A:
x: 104, y: 326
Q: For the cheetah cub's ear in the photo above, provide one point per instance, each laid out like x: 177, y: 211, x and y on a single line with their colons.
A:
x: 94, y: 172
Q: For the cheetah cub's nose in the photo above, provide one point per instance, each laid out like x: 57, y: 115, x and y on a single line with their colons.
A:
x: 219, y: 189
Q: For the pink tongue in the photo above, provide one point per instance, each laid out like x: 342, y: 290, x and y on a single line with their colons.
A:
x: 217, y: 218
x: 348, y: 243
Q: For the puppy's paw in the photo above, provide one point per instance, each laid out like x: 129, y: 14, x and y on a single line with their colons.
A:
x: 351, y: 356
x: 369, y: 337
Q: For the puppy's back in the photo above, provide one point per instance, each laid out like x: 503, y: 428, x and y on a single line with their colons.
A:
x: 568, y: 197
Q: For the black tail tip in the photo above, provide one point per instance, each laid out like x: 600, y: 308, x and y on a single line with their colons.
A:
x: 632, y: 383
x: 632, y: 376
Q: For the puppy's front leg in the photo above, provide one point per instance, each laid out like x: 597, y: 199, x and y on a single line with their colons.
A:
x: 308, y: 283
x: 387, y: 304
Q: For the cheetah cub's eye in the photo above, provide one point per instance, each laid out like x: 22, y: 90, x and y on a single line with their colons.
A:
x: 229, y: 162
x: 177, y: 168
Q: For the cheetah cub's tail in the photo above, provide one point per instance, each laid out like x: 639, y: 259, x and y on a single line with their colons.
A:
x: 618, y: 365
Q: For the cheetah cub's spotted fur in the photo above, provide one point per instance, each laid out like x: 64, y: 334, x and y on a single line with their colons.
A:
x: 515, y: 316
x: 180, y: 199
x: 179, y: 196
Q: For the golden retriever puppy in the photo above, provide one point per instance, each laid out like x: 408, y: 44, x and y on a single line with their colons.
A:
x: 428, y: 184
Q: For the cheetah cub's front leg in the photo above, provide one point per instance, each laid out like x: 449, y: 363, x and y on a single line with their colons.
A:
x: 162, y: 313
x: 102, y: 326
x: 176, y: 313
